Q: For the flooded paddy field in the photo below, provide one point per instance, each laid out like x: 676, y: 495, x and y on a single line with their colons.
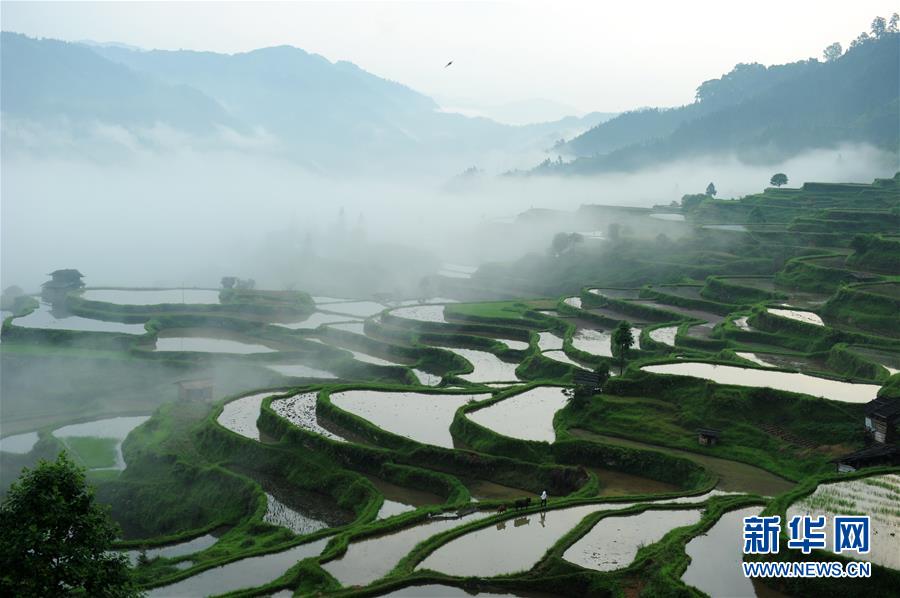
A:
x: 710, y: 318
x: 442, y: 591
x: 527, y: 416
x: 734, y: 476
x: 152, y: 296
x: 614, y: 542
x: 427, y: 378
x: 548, y: 341
x: 486, y: 490
x: 372, y: 558
x: 889, y: 361
x: 615, y: 293
x: 300, y: 410
x: 400, y: 499
x: 716, y: 557
x: 240, y: 415
x: 170, y: 551
x: 617, y: 483
x: 315, y: 320
x: 45, y: 317
x: 790, y: 381
x: 515, y: 544
x: 665, y: 335
x: 245, y: 573
x: 807, y: 317
x: 561, y: 357
x: 422, y: 417
x: 300, y: 371
x: 421, y: 313
x: 488, y: 367
x: 875, y: 496
x: 368, y: 358
x: 573, y: 302
x: 82, y: 440
x: 686, y: 291
x: 360, y: 309
x: 196, y: 342
x: 19, y: 444
x: 354, y: 327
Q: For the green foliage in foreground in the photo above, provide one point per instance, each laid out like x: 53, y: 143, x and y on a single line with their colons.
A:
x: 54, y: 539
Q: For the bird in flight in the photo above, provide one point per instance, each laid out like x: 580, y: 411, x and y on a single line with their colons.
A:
x: 448, y: 64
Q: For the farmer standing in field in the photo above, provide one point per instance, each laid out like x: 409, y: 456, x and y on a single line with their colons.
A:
x: 543, y: 499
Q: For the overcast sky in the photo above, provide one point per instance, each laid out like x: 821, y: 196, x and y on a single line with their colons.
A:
x: 606, y: 56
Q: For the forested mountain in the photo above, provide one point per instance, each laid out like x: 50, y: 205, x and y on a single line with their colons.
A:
x: 758, y: 113
x: 282, y: 100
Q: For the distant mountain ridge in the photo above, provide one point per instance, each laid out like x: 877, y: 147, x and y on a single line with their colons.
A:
x: 758, y: 113
x: 327, y: 116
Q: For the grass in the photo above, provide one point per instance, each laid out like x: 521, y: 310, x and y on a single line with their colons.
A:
x: 92, y: 452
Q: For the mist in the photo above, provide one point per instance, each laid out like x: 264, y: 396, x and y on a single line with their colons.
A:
x: 189, y: 216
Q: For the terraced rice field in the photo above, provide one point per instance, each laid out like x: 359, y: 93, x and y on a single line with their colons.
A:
x: 45, y: 317
x: 614, y: 542
x: 422, y: 417
x: 789, y: 381
x: 300, y: 410
x: 876, y: 496
x: 152, y: 296
x: 807, y: 317
x: 527, y: 416
x: 421, y: 313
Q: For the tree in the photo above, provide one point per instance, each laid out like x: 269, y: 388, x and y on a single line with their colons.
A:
x: 565, y: 242
x: 228, y: 282
x: 879, y: 27
x: 622, y: 340
x: 833, y: 52
x: 614, y: 231
x: 55, y: 540
x: 893, y: 23
x: 689, y: 202
x: 861, y: 39
x: 778, y: 179
x: 711, y: 190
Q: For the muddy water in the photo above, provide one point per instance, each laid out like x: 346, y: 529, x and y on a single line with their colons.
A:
x: 19, y: 444
x: 513, y: 545
x: 614, y: 541
x: 174, y: 550
x: 791, y: 381
x: 488, y: 367
x: 176, y: 342
x: 43, y: 317
x: 665, y: 335
x: 427, y: 378
x: 547, y: 341
x: 246, y: 573
x: 300, y: 410
x: 151, y: 296
x: 372, y: 558
x: 421, y: 313
x: 716, y: 557
x: 616, y: 483
x: 485, y: 490
x: 807, y: 317
x: 114, y: 427
x: 399, y: 499
x: 241, y: 414
x: 562, y: 358
x: 876, y: 496
x: 300, y: 371
x: 421, y: 417
x: 362, y: 309
x: 733, y: 475
x: 528, y: 415
x: 315, y: 320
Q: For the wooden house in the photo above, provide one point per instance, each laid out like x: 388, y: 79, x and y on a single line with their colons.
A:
x: 879, y: 454
x: 708, y: 436
x: 882, y: 415
x: 60, y: 283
